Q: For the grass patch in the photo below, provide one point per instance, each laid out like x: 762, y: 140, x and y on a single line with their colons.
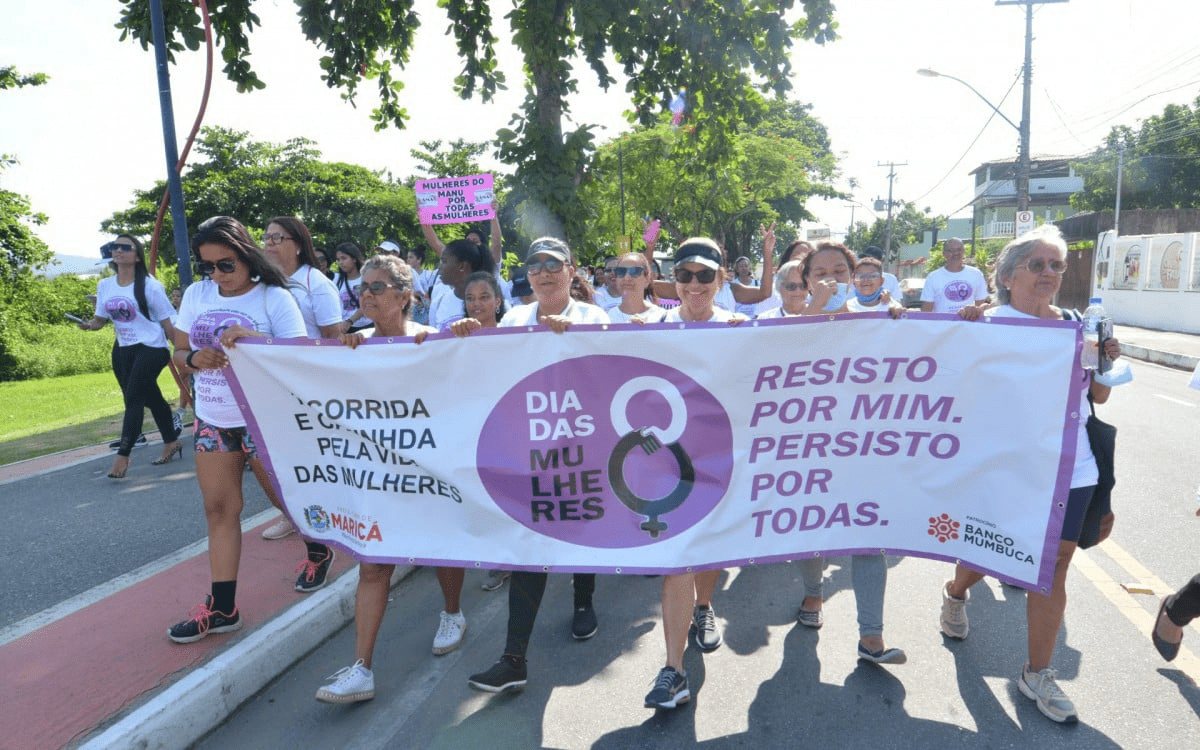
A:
x: 54, y: 414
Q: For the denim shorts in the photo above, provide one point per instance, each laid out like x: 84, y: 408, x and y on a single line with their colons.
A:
x: 212, y: 439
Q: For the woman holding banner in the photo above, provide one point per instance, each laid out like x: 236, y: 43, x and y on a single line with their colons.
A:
x: 549, y: 270
x: 687, y: 597
x: 459, y: 259
x: 634, y: 282
x: 387, y: 296
x: 792, y: 293
x: 825, y: 273
x: 1027, y: 276
x: 244, y: 295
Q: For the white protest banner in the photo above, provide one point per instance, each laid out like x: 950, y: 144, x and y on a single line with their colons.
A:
x: 454, y: 200
x: 627, y: 449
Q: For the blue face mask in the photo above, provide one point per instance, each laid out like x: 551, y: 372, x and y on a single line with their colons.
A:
x: 869, y: 300
x: 839, y: 298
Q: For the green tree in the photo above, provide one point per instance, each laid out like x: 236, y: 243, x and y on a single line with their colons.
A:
x: 909, y: 225
x: 775, y: 164
x: 727, y: 55
x: 1161, y: 164
x: 11, y: 78
x: 253, y: 181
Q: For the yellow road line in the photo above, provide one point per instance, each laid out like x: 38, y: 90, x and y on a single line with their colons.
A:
x: 1133, y: 609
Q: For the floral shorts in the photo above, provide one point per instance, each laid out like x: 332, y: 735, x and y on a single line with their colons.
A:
x: 212, y: 439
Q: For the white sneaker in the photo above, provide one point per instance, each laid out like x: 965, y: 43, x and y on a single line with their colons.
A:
x: 278, y: 530
x: 954, y: 615
x: 350, y: 685
x: 1042, y: 688
x: 450, y: 633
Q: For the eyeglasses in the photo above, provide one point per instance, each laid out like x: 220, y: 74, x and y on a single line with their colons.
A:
x: 684, y: 276
x: 206, y: 268
x: 1037, y: 265
x: 274, y: 238
x: 791, y: 286
x: 633, y: 272
x: 868, y: 277
x: 107, y: 249
x: 551, y: 265
x: 376, y: 287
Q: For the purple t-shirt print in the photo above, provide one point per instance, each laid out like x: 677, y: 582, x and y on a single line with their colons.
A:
x: 120, y: 310
x: 957, y: 291
x: 207, y: 330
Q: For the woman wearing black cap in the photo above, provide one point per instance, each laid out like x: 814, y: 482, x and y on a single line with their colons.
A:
x: 549, y: 270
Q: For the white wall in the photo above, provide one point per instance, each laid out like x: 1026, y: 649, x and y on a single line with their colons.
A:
x: 1152, y: 281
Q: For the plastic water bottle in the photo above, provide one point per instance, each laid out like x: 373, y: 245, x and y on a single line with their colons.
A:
x: 1090, y: 357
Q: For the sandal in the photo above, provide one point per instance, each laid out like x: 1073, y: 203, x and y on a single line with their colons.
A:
x: 169, y: 453
x: 1166, y: 649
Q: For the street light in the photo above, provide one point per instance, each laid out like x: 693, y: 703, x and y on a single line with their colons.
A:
x: 1023, y: 162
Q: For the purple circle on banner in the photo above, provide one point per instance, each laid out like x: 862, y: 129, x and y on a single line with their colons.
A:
x: 957, y: 291
x: 545, y: 451
x: 207, y: 329
x: 120, y: 310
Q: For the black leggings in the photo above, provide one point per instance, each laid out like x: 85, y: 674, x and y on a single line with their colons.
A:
x: 137, y: 367
x: 1184, y: 605
x: 525, y: 591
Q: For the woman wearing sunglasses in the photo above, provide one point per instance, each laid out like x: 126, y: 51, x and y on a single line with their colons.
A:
x: 138, y: 307
x: 244, y: 295
x: 1027, y: 276
x: 549, y: 270
x: 687, y: 597
x: 387, y: 297
x: 637, y: 300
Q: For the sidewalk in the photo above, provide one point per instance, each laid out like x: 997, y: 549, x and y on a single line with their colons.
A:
x: 98, y: 677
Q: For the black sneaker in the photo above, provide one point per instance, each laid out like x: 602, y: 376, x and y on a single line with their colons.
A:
x: 670, y: 689
x: 314, y: 575
x: 584, y: 625
x: 704, y: 628
x: 507, y: 674
x: 116, y: 444
x: 203, y: 621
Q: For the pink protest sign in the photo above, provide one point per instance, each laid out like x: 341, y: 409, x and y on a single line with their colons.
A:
x: 651, y: 233
x: 454, y: 200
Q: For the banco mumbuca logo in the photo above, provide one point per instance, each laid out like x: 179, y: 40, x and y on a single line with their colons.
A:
x: 943, y: 527
x: 607, y: 451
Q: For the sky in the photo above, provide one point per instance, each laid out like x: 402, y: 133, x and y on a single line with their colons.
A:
x: 92, y: 135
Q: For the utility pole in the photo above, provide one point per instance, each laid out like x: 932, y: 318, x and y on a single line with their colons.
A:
x: 1120, y: 176
x: 1024, y: 163
x: 850, y: 206
x: 887, y: 232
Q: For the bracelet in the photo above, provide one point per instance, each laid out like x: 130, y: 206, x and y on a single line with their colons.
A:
x: 188, y: 359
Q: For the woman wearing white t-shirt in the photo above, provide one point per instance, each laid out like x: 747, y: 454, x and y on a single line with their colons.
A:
x: 459, y: 260
x: 288, y: 243
x: 138, y: 307
x: 1028, y: 274
x: 245, y: 296
x: 633, y: 281
x: 349, y: 277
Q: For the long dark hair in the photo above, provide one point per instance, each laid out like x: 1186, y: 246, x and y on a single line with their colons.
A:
x: 229, y: 232
x: 298, y: 232
x: 490, y: 280
x: 139, y: 275
x: 342, y: 280
x: 478, y: 258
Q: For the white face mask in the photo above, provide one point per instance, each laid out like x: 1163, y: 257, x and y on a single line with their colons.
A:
x: 839, y: 298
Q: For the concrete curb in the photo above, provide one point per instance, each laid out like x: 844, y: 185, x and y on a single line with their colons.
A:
x: 190, y: 708
x: 1166, y: 359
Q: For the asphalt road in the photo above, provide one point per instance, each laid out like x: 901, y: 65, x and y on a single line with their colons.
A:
x: 776, y: 684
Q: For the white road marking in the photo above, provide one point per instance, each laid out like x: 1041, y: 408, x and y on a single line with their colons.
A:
x: 1174, y: 400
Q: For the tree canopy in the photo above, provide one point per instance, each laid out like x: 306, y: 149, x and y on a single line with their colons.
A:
x: 1162, y: 164
x: 728, y: 56
x: 776, y: 163
x: 253, y: 181
x: 909, y: 225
